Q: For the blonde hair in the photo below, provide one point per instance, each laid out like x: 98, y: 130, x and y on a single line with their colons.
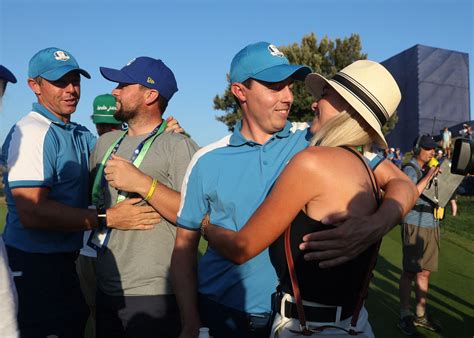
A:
x: 348, y: 128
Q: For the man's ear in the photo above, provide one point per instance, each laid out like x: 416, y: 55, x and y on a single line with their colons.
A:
x: 151, y: 96
x: 34, y: 85
x: 239, y: 90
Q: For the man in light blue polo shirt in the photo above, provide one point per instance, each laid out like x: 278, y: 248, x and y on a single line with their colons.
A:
x: 228, y: 180
x: 46, y: 157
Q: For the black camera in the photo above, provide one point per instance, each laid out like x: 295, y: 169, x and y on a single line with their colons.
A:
x: 463, y: 157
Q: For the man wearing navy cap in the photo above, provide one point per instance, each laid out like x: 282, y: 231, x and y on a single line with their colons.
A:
x: 47, y: 192
x: 230, y: 178
x: 5, y: 77
x: 9, y: 303
x: 420, y: 236
x: 135, y: 297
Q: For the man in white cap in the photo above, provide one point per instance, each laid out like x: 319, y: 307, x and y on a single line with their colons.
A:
x: 47, y: 192
x: 230, y: 178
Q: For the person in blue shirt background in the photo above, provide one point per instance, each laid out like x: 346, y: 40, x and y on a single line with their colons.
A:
x: 420, y: 236
x: 398, y: 158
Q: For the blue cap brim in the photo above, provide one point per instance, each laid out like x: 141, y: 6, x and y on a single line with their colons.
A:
x: 7, y: 75
x: 282, y: 72
x: 58, y: 73
x: 116, y: 75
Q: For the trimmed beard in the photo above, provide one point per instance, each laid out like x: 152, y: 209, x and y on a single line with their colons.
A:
x: 124, y: 116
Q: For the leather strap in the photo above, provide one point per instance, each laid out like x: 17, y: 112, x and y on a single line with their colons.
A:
x: 294, y: 284
x: 305, y: 331
x: 375, y: 250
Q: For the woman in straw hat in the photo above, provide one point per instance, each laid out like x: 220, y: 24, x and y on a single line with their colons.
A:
x: 326, y: 179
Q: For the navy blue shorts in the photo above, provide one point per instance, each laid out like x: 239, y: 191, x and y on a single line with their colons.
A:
x: 137, y: 316
x: 50, y: 301
x: 225, y: 322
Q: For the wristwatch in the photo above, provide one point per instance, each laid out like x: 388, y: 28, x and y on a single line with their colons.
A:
x: 102, y: 218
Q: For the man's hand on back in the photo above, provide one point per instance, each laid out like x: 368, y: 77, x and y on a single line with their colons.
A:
x: 172, y: 126
x: 336, y: 246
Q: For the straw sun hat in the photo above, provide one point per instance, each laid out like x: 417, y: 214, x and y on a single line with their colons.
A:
x: 368, y: 87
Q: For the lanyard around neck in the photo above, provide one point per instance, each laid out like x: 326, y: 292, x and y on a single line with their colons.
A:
x: 100, y: 183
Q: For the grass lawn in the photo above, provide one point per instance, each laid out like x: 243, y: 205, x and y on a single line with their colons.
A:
x: 451, y: 296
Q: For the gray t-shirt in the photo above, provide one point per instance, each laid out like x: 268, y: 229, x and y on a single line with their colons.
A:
x: 137, y: 262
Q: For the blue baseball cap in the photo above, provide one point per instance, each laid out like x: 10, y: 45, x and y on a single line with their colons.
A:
x: 53, y: 63
x: 263, y: 61
x: 149, y: 72
x: 7, y: 75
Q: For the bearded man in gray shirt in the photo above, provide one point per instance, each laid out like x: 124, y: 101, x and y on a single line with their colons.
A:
x: 135, y: 297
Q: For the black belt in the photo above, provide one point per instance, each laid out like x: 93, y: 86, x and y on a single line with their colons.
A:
x: 317, y: 314
x: 423, y: 208
x: 254, y: 321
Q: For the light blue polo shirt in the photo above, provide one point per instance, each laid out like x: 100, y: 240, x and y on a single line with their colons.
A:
x: 42, y: 151
x: 421, y: 219
x: 229, y: 179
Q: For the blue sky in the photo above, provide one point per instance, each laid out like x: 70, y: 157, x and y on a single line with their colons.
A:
x: 197, y: 40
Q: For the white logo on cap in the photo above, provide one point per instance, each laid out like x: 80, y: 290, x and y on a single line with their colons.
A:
x: 275, y: 51
x: 130, y: 62
x: 106, y: 108
x: 61, y: 56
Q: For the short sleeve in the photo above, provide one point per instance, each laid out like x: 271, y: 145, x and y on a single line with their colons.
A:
x: 194, y: 202
x: 373, y: 159
x: 32, y: 155
x: 181, y: 156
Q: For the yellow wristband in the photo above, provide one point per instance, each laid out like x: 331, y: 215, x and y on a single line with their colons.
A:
x: 152, y: 189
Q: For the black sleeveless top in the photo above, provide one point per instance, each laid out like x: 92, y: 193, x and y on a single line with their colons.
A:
x: 339, y: 285
x: 331, y: 286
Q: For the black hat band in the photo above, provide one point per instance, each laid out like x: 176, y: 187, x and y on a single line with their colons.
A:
x: 361, y: 93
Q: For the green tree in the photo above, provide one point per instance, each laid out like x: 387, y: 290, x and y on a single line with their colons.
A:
x: 391, y: 123
x: 325, y: 57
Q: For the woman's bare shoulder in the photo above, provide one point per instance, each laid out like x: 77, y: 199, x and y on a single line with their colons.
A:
x: 310, y: 164
x: 325, y: 161
x: 317, y: 156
